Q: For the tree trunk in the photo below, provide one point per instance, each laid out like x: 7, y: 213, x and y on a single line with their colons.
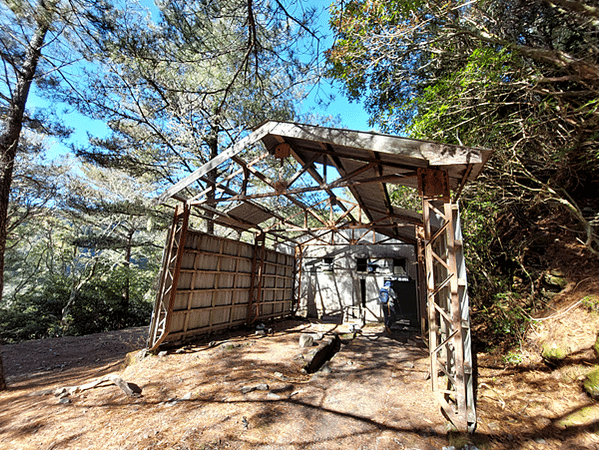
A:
x: 2, y: 380
x: 212, y: 141
x: 9, y: 139
x: 124, y: 308
x: 76, y: 286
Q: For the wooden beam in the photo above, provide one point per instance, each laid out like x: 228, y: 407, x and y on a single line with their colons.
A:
x: 315, y: 175
x: 233, y: 150
x: 465, y: 177
x: 220, y: 184
x: 434, y: 154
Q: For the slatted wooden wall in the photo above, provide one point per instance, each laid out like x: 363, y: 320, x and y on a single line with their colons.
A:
x: 213, y: 288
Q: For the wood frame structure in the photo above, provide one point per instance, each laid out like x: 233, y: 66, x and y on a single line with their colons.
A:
x: 309, y: 184
x: 449, y: 336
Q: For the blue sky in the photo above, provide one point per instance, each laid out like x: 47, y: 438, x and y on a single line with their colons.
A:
x: 352, y: 115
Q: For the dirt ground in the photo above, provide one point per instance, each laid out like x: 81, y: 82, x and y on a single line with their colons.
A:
x: 373, y: 394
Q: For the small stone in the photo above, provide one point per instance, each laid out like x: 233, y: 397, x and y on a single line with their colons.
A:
x: 141, y: 355
x: 262, y: 387
x: 260, y: 332
x: 59, y: 391
x: 273, y: 396
x: 306, y: 340
x: 247, y: 389
x: 540, y: 440
x: 171, y: 402
x: 186, y: 396
x: 162, y: 353
x: 325, y: 368
x: 41, y: 393
x: 64, y: 400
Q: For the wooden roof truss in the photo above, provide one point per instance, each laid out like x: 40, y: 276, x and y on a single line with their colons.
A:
x: 324, y: 180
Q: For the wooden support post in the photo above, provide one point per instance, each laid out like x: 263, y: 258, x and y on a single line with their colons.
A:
x: 422, y: 283
x: 448, y: 324
x: 456, y: 317
x: 256, y: 280
x: 169, y: 277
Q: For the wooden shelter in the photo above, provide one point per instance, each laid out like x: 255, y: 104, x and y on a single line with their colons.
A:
x: 286, y: 186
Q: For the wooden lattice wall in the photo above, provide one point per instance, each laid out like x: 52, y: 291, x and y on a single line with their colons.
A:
x: 218, y: 284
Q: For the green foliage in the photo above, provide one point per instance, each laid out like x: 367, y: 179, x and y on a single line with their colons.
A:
x: 446, y: 107
x: 35, y: 317
x: 478, y: 215
x: 405, y: 197
x: 591, y: 302
x: 501, y: 75
x: 513, y: 358
x: 96, y: 307
x: 504, y: 317
x: 86, y: 265
x: 204, y: 75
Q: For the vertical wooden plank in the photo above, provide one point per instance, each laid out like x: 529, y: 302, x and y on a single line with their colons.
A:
x: 445, y: 302
x: 190, y: 295
x: 256, y: 283
x: 234, y: 281
x: 297, y: 278
x: 465, y: 325
x: 456, y: 316
x: 430, y: 285
x: 422, y: 285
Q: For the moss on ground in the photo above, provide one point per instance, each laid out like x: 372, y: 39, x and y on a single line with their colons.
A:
x: 553, y: 353
x: 591, y: 383
x: 583, y: 416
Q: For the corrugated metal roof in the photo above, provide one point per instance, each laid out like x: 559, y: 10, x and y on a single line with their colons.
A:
x: 244, y: 216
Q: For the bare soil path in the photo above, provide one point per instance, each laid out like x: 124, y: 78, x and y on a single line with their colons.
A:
x: 372, y: 395
x: 246, y: 391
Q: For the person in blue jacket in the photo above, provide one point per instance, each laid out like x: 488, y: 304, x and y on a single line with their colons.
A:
x: 387, y: 299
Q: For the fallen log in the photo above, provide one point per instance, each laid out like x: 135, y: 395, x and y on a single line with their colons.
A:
x: 130, y: 389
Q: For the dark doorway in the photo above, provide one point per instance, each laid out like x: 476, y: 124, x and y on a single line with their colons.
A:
x: 363, y: 292
x: 406, y: 307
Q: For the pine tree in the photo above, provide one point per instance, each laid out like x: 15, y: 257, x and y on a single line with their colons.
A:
x: 177, y: 92
x: 35, y: 42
